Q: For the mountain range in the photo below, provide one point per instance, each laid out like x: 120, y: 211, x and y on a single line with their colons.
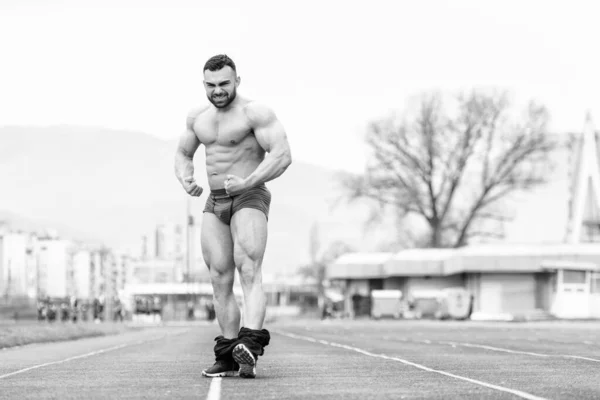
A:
x: 112, y: 187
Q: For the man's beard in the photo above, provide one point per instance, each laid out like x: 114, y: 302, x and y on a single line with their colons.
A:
x: 226, y: 100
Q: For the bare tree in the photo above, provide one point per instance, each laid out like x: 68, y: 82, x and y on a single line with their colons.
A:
x: 454, y: 166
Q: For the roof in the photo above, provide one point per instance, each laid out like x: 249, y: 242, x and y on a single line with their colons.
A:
x: 495, y: 258
x: 512, y: 250
x: 364, y: 258
x: 358, y: 265
x: 418, y: 262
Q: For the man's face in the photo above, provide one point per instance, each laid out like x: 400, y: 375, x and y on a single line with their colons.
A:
x: 221, y: 86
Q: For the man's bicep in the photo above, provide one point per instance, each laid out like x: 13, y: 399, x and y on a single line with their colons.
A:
x: 271, y: 136
x: 188, y: 143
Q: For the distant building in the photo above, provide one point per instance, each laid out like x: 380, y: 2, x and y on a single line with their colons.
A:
x: 145, y: 253
x: 155, y: 271
x: 555, y: 269
x: 32, y: 265
x: 53, y: 268
x: 14, y: 273
x: 169, y: 241
x: 82, y: 274
x: 561, y: 280
x: 97, y: 273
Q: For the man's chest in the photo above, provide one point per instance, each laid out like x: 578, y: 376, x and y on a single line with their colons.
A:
x: 225, y: 130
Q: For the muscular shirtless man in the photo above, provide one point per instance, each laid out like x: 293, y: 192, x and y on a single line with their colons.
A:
x: 236, y: 133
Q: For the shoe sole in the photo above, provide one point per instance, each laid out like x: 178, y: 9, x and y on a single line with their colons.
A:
x: 219, y: 374
x: 245, y: 359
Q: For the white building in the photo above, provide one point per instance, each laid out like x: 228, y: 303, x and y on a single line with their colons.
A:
x: 82, y: 274
x: 169, y: 241
x: 14, y: 274
x: 155, y: 271
x: 54, y: 261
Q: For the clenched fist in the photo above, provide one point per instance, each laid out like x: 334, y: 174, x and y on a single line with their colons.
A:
x: 190, y: 186
x: 234, y: 185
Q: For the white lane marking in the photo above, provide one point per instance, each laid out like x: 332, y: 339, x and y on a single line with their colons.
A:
x: 92, y: 353
x: 214, y: 391
x: 581, y: 357
x: 515, y: 392
x: 482, y: 346
x: 454, y: 344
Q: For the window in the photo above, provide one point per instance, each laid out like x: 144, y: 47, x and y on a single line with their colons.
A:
x: 573, y: 277
x: 596, y: 282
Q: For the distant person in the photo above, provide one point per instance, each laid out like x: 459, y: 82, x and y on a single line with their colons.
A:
x: 236, y: 133
x: 327, y: 309
x: 74, y: 305
x: 356, y: 299
x: 157, y: 309
x: 52, y: 310
x: 118, y: 311
x: 84, y: 312
x: 147, y: 306
x: 190, y: 310
x: 471, y: 304
x: 98, y: 309
x: 41, y: 311
x: 64, y: 312
x: 101, y: 303
x: 210, y: 310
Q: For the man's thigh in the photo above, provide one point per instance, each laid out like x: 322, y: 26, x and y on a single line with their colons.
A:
x: 249, y: 231
x: 217, y: 243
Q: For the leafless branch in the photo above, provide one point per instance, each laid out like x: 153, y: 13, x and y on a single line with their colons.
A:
x: 451, y: 168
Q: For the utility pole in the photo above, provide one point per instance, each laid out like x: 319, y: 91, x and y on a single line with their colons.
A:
x: 189, y: 246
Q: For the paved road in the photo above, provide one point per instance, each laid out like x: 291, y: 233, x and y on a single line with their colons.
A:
x: 314, y: 359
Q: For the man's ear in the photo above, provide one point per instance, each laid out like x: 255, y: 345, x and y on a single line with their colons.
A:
x: 238, y: 80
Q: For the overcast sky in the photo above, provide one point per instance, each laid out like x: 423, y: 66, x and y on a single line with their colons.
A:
x: 326, y: 67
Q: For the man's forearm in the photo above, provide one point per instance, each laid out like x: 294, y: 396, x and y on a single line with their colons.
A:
x: 184, y: 166
x: 270, y: 168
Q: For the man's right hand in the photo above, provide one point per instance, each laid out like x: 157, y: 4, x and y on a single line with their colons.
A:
x: 190, y: 186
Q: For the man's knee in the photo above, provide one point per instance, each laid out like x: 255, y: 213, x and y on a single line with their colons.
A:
x: 249, y: 271
x: 221, y: 274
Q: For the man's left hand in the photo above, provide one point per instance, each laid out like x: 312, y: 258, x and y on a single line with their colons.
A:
x: 235, y: 185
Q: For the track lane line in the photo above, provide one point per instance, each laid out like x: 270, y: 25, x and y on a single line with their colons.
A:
x: 500, y: 349
x: 90, y: 354
x: 515, y: 392
x: 214, y: 391
x: 581, y: 358
x: 529, y: 353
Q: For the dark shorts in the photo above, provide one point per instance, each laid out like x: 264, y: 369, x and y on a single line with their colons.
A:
x: 224, y: 206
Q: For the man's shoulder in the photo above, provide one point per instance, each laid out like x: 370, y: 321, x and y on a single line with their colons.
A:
x: 258, y: 112
x: 194, y: 113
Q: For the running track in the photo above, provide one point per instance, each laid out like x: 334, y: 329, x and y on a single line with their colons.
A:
x: 313, y: 359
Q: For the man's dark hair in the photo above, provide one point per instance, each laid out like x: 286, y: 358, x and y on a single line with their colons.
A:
x: 217, y: 62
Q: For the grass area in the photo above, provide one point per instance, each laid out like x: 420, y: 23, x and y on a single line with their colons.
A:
x: 21, y: 333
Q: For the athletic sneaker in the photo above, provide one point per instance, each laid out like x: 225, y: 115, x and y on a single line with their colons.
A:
x: 222, y: 369
x: 246, y: 359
